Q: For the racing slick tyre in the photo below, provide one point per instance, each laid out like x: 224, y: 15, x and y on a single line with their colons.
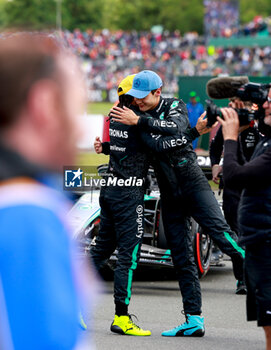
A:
x: 202, y: 246
x: 161, y: 237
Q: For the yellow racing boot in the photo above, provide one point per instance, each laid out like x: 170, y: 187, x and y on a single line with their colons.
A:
x: 125, y: 326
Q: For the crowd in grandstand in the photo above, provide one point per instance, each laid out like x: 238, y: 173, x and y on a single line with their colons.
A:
x: 110, y: 56
x: 259, y: 27
x: 220, y: 17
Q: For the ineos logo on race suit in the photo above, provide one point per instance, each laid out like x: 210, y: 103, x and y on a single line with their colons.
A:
x: 174, y: 142
x: 139, y: 220
x: 118, y: 133
x: 164, y: 123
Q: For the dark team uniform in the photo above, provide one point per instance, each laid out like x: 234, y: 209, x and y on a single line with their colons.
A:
x: 122, y: 220
x: 255, y: 223
x: 247, y: 142
x: 185, y: 192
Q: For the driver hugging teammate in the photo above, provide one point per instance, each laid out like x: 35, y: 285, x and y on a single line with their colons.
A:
x: 122, y: 207
x: 161, y: 125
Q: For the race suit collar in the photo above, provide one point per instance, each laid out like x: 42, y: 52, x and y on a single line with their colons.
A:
x: 155, y: 112
x: 160, y: 104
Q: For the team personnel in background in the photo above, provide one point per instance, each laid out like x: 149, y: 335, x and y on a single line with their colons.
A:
x: 41, y: 94
x: 184, y: 192
x: 195, y: 110
x: 247, y: 141
x: 254, y: 212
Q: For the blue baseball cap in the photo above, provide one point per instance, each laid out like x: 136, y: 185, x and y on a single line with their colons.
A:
x: 144, y: 82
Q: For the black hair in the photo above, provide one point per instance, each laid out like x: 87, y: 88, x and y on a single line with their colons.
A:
x: 125, y: 100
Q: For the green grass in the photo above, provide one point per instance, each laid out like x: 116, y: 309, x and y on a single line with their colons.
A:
x: 91, y: 159
x: 99, y: 107
x: 213, y: 185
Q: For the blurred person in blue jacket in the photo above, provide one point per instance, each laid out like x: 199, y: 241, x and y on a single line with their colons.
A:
x: 195, y: 110
x: 41, y: 93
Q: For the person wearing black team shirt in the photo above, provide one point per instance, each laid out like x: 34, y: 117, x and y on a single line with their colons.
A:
x: 247, y: 141
x: 254, y: 212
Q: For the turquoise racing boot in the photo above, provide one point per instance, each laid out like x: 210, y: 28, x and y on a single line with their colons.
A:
x: 193, y: 327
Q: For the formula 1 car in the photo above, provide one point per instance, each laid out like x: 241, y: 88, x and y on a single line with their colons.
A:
x: 85, y: 218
